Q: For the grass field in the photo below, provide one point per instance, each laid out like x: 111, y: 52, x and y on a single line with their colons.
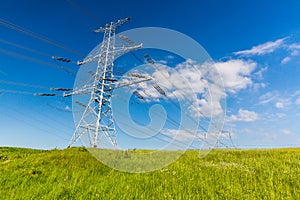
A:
x: 223, y: 174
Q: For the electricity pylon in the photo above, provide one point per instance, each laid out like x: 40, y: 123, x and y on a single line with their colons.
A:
x: 97, y: 118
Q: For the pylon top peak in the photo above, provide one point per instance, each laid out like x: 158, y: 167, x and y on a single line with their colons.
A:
x: 113, y: 25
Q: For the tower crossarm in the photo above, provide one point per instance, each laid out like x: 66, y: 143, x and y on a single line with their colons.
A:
x: 112, y: 25
x: 126, y: 83
x: 125, y: 49
x: 118, y: 51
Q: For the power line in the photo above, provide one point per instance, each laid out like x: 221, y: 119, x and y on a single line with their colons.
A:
x: 23, y: 57
x: 164, y: 134
x: 153, y: 63
x: 25, y: 48
x: 169, y: 120
x: 54, y: 119
x: 22, y: 84
x: 82, y: 10
x: 16, y: 92
x: 30, y: 124
x: 29, y: 33
x: 28, y: 93
x: 36, y: 52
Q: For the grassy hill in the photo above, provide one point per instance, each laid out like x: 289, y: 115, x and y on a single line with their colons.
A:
x: 223, y: 174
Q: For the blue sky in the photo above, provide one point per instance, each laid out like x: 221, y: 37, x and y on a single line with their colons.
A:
x: 255, y: 44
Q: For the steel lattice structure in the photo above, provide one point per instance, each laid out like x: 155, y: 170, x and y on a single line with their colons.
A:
x: 97, y: 119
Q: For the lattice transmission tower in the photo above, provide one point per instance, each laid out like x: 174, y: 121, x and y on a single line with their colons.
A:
x: 97, y: 118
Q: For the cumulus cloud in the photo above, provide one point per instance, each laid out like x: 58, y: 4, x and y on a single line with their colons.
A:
x: 236, y: 74
x: 293, y: 50
x: 259, y: 74
x: 294, y: 46
x: 170, y: 57
x: 285, y: 60
x: 67, y: 108
x: 164, y: 62
x: 279, y: 105
x: 284, y: 102
x: 295, y: 53
x: 271, y: 46
x: 187, y: 136
x: 268, y: 97
x: 202, y: 85
x: 184, y: 81
x: 197, y: 86
x: 280, y: 100
x: 286, y: 132
x: 298, y: 101
x: 262, y: 49
x: 182, y: 135
x: 280, y: 115
x: 244, y: 116
x: 257, y: 86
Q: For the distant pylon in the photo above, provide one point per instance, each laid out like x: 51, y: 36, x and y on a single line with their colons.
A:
x: 97, y: 118
x: 225, y: 135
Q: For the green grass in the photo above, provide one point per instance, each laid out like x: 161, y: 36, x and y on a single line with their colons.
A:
x: 223, y: 174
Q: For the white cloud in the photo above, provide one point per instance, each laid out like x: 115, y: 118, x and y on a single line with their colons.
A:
x: 185, y: 137
x: 262, y: 49
x: 184, y: 81
x: 268, y: 97
x: 67, y: 108
x: 259, y: 73
x: 198, y: 87
x: 280, y: 100
x: 294, y: 46
x: 285, y: 60
x: 293, y: 50
x: 170, y: 57
x: 164, y: 62
x: 298, y: 101
x: 244, y: 116
x: 284, y: 102
x: 257, y: 86
x: 296, y: 93
x: 191, y: 78
x: 236, y: 74
x: 295, y: 53
x: 280, y: 115
x: 279, y: 105
x: 286, y: 131
x: 181, y: 135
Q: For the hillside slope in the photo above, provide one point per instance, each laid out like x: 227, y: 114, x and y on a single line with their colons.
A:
x: 223, y: 174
